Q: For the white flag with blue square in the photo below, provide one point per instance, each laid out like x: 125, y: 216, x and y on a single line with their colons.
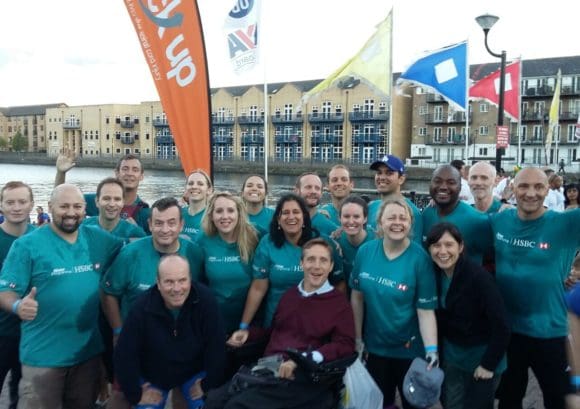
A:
x: 443, y: 71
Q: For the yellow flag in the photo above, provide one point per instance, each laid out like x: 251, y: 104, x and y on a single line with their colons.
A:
x: 554, y: 112
x: 371, y: 65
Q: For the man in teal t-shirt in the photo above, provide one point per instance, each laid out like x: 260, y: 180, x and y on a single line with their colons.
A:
x: 56, y: 270
x: 109, y: 200
x: 473, y: 225
x: 129, y: 170
x: 534, y: 249
x: 135, y: 269
x: 16, y: 202
x: 309, y: 187
x: 389, y: 178
x: 339, y: 186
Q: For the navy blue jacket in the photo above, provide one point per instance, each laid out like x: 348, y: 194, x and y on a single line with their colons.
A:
x: 157, y: 348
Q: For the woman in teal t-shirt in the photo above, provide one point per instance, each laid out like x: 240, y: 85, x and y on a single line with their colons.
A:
x: 198, y: 189
x: 228, y: 242
x: 254, y: 194
x: 393, y: 291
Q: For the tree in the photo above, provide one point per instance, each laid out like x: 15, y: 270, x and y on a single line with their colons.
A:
x: 3, y: 144
x: 19, y: 142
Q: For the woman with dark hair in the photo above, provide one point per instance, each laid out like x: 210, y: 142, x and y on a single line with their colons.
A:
x: 471, y: 321
x: 254, y: 192
x: 276, y: 265
x: 571, y: 196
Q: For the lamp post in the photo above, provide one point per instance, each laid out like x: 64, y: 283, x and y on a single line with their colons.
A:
x: 486, y: 22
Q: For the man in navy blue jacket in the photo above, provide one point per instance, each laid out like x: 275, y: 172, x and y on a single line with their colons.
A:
x: 172, y: 337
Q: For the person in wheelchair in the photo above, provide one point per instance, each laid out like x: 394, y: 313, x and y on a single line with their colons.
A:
x: 313, y: 328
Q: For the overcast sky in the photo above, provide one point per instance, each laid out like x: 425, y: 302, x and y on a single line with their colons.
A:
x: 86, y: 52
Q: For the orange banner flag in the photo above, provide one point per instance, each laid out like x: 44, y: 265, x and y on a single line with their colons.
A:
x: 171, y: 37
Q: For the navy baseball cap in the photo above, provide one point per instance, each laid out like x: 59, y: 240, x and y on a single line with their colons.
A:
x: 391, y: 162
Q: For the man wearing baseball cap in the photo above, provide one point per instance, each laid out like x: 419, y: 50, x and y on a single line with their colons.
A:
x: 389, y: 177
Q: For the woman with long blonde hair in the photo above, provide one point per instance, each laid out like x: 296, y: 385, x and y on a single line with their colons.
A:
x: 198, y: 190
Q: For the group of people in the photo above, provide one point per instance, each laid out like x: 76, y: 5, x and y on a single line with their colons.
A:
x: 166, y: 298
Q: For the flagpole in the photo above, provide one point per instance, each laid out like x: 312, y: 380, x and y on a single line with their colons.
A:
x: 466, y: 103
x: 519, y: 157
x: 266, y: 108
x: 390, y: 150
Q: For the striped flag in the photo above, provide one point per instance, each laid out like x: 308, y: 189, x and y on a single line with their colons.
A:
x: 241, y: 28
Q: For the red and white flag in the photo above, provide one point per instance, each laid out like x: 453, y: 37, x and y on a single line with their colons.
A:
x: 488, y: 88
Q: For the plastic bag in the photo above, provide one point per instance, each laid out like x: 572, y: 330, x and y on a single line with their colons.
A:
x: 361, y: 391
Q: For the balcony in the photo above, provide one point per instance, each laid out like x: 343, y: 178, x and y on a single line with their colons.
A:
x: 160, y: 122
x: 368, y: 116
x: 434, y: 98
x: 296, y: 139
x: 128, y: 140
x: 222, y: 139
x: 528, y: 116
x: 252, y: 119
x: 368, y: 138
x: 457, y: 118
x: 434, y: 119
x: 222, y: 120
x: 128, y: 124
x: 568, y: 90
x: 318, y: 117
x: 71, y: 124
x: 253, y: 140
x: 287, y: 119
x: 164, y: 140
x: 568, y: 116
x: 319, y: 138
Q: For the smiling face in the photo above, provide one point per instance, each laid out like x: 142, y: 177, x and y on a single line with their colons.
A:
x: 395, y: 222
x: 339, y: 183
x: 530, y: 189
x: 173, y: 281
x: 310, y: 190
x: 17, y: 205
x: 110, y: 201
x: 445, y: 252
x: 254, y: 190
x: 445, y: 186
x: 67, y: 206
x: 352, y: 218
x: 197, y: 188
x: 291, y: 218
x: 317, y: 264
x: 572, y: 194
x: 130, y: 173
x: 225, y: 217
x: 165, y: 226
x: 388, y: 181
x: 481, y: 180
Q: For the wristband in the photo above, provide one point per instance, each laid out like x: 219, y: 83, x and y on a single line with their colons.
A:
x: 117, y: 331
x: 244, y: 325
x: 15, y: 306
x: 431, y: 348
x: 575, y: 381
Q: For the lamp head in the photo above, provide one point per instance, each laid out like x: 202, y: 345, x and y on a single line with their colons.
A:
x: 486, y: 21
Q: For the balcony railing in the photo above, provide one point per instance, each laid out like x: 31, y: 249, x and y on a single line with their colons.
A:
x: 245, y: 119
x: 368, y: 116
x: 317, y: 117
x: 160, y: 122
x: 71, y: 124
x: 222, y: 139
x: 253, y: 140
x: 287, y: 119
x: 288, y: 139
x: 368, y: 138
x: 128, y: 140
x: 534, y: 116
x: 434, y: 98
x: 127, y: 124
x: 434, y: 119
x: 222, y: 120
x: 318, y: 138
x: 164, y: 140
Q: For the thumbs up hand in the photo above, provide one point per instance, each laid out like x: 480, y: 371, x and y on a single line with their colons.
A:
x: 28, y: 307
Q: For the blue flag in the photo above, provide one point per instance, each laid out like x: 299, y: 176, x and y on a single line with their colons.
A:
x: 443, y: 71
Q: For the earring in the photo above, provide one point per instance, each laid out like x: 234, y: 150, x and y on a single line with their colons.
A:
x: 279, y: 228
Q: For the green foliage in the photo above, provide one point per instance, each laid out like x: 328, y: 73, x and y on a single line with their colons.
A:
x: 19, y: 143
x: 3, y: 144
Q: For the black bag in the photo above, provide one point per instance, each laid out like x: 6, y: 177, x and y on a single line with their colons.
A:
x: 245, y: 378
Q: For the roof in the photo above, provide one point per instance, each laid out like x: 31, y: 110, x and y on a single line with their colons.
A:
x: 29, y: 109
x: 540, y: 67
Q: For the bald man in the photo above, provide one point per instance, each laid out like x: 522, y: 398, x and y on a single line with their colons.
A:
x: 534, y: 248
x: 481, y: 181
x: 50, y: 280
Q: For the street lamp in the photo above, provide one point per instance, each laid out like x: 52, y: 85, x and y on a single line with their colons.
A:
x: 486, y: 22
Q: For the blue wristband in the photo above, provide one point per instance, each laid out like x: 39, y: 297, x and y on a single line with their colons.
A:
x: 117, y: 331
x: 15, y: 306
x: 243, y: 325
x: 575, y: 381
x: 431, y: 348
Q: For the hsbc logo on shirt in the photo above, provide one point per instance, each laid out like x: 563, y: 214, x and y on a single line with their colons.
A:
x: 523, y: 243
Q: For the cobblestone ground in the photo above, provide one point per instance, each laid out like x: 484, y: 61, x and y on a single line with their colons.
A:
x: 533, y: 399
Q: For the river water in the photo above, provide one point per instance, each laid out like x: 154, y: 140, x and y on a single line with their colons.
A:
x: 156, y: 184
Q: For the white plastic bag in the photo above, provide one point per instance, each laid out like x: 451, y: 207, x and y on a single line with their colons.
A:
x: 361, y: 391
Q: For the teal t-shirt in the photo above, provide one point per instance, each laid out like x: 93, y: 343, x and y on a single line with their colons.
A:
x: 262, y: 220
x: 65, y: 331
x: 192, y: 224
x: 323, y: 224
x: 333, y: 215
x: 141, y: 216
x: 416, y: 229
x: 494, y: 208
x: 533, y: 259
x: 227, y: 276
x: 462, y: 357
x: 349, y: 252
x: 135, y: 269
x: 473, y: 225
x: 281, y: 266
x: 124, y: 229
x: 393, y: 290
x: 9, y: 323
